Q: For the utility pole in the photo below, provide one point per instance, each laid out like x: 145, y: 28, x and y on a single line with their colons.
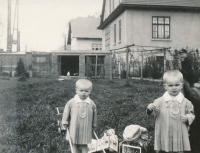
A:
x: 16, y: 32
x: 9, y: 37
x: 65, y: 45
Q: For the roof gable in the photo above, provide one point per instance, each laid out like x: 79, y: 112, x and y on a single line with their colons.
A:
x: 85, y: 28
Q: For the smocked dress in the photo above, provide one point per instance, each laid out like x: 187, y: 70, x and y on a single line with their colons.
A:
x: 81, y: 117
x: 171, y: 134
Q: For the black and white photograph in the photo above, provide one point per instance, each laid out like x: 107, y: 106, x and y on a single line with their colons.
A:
x: 104, y: 76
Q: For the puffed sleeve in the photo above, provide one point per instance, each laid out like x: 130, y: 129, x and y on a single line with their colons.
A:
x: 94, y: 123
x: 190, y: 112
x: 66, y: 113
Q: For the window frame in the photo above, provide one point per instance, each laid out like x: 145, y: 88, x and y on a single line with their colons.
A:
x: 161, y: 24
x: 107, y: 37
x: 120, y: 30
x: 96, y: 46
x: 115, y: 34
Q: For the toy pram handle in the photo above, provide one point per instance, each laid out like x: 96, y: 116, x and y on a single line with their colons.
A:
x: 97, y: 138
x: 70, y: 143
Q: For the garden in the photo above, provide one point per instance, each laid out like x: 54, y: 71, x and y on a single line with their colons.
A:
x: 36, y: 120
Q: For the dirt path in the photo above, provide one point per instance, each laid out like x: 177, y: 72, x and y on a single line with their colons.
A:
x: 8, y: 122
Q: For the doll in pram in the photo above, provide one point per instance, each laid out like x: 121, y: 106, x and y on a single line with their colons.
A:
x: 135, y: 140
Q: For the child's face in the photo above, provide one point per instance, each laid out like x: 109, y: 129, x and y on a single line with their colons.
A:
x: 173, y: 85
x: 83, y: 91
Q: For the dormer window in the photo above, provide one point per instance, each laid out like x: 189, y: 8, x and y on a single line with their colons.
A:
x: 161, y: 27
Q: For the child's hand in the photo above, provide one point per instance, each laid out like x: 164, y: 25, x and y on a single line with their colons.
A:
x: 197, y: 85
x: 151, y: 107
x: 184, y: 118
x: 66, y: 125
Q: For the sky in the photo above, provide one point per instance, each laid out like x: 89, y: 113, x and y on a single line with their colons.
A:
x: 43, y: 23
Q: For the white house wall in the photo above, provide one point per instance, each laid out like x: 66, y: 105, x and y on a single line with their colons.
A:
x: 84, y: 44
x: 109, y: 7
x: 184, y: 29
x: 74, y: 44
x: 137, y: 29
x: 118, y: 43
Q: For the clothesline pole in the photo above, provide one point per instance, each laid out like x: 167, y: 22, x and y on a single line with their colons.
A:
x: 142, y: 67
x: 127, y: 65
x: 110, y: 65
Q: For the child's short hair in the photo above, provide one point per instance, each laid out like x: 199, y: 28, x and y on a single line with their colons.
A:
x: 84, y: 82
x: 172, y: 73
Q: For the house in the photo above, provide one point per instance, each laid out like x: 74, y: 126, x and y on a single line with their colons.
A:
x: 165, y: 23
x: 84, y: 35
x: 153, y: 25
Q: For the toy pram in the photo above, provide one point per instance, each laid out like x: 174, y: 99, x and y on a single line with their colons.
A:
x: 135, y: 140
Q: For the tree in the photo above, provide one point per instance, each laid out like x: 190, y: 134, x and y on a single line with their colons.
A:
x: 20, y: 69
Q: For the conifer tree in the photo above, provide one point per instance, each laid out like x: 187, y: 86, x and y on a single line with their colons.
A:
x: 20, y: 69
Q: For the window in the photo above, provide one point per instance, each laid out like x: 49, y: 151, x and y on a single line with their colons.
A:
x: 96, y: 46
x: 114, y: 33
x: 120, y: 30
x: 161, y: 27
x: 107, y: 38
x: 94, y: 66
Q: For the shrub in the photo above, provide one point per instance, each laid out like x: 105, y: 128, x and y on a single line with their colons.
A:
x: 20, y: 69
x: 4, y: 73
x: 153, y: 68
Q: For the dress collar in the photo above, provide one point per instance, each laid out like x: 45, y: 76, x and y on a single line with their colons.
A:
x: 179, y: 98
x: 77, y: 99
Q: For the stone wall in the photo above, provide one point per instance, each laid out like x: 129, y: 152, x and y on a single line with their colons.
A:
x: 8, y: 62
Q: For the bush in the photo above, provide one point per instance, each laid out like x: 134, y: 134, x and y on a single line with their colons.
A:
x: 21, y: 71
x: 123, y: 74
x: 2, y: 73
x: 153, y: 68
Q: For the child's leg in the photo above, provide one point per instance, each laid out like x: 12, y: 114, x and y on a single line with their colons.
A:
x: 84, y: 149
x: 75, y: 148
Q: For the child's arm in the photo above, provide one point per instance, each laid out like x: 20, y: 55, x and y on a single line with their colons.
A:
x: 66, y: 115
x: 94, y: 122
x: 189, y: 116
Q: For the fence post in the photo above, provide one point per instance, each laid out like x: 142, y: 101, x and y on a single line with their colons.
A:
x: 127, y: 65
x: 142, y: 67
x: 164, y: 64
x: 119, y: 67
x: 110, y: 65
x: 96, y: 66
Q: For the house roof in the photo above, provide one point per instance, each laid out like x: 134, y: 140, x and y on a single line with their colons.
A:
x: 186, y: 3
x: 183, y: 5
x: 84, y: 27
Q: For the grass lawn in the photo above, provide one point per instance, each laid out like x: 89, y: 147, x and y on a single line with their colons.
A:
x: 118, y: 106
x: 8, y: 120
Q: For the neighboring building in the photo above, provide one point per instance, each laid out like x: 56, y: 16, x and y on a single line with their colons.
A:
x: 1, y: 51
x: 84, y: 35
x: 166, y: 23
x: 56, y: 63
